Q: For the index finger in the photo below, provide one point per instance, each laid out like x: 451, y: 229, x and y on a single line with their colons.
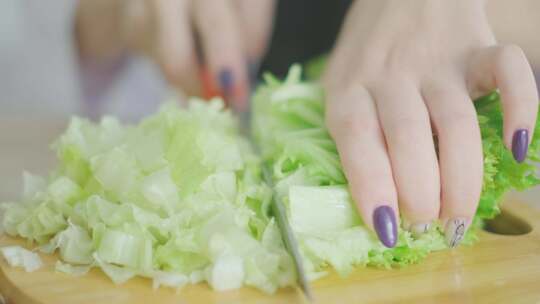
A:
x: 353, y: 123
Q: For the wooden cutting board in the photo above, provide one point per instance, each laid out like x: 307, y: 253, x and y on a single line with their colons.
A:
x: 497, y: 269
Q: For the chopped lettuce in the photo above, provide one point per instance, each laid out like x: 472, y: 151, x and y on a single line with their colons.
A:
x: 175, y: 280
x: 177, y: 198
x: 17, y: 256
x: 71, y: 269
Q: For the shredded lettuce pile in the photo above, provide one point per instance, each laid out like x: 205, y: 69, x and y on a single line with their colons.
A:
x: 289, y: 127
x: 179, y: 198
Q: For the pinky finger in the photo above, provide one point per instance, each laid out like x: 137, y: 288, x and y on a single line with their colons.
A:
x: 507, y: 68
x: 353, y: 123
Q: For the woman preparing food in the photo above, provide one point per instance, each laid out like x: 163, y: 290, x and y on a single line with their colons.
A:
x: 400, y: 72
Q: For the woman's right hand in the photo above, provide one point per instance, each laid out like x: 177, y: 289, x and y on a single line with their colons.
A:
x: 231, y: 34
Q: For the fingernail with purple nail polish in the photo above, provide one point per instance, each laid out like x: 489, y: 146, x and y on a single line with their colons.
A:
x: 520, y: 144
x: 226, y: 81
x: 384, y: 222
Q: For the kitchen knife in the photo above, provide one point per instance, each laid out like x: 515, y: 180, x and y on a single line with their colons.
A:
x: 280, y: 214
x: 277, y: 207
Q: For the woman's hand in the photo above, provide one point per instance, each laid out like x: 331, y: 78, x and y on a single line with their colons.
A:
x: 403, y: 71
x: 228, y: 35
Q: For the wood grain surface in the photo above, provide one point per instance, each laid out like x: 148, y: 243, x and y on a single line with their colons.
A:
x: 497, y: 269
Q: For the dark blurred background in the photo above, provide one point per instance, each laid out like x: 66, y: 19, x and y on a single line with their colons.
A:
x: 303, y: 29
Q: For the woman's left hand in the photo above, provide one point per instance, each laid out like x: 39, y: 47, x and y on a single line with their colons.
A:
x: 403, y: 71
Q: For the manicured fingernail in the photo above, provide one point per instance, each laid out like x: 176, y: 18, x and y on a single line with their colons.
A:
x: 520, y: 144
x: 419, y: 228
x: 226, y: 82
x: 455, y: 230
x: 384, y: 222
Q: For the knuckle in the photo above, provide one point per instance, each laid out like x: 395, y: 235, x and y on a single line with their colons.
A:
x: 459, y: 200
x: 422, y: 196
x: 457, y: 119
x: 421, y: 209
x: 343, y: 122
x: 401, y: 129
x: 182, y: 67
x: 174, y: 73
x: 394, y: 61
x: 371, y: 178
x: 438, y: 90
x: 176, y: 67
x: 345, y: 115
x: 370, y: 61
x: 401, y: 58
x: 464, y: 192
x: 349, y: 124
x: 368, y: 190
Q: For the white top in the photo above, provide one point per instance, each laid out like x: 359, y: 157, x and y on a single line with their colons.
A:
x: 40, y: 72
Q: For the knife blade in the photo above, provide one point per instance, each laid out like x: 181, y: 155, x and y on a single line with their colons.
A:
x: 280, y: 214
